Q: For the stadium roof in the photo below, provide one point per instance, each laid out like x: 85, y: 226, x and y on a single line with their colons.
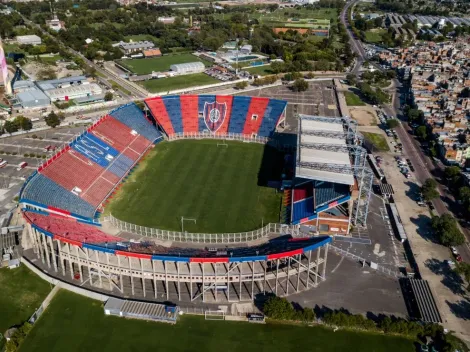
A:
x: 323, y: 164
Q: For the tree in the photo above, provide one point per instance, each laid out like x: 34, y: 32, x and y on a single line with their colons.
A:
x: 24, y: 123
x: 278, y: 308
x: 108, y: 96
x: 352, y: 80
x: 447, y: 231
x: 241, y: 85
x: 464, y: 269
x: 451, y: 172
x: 310, y: 75
x: 11, y: 126
x: 52, y: 120
x: 429, y: 190
x: 46, y: 73
x: 422, y: 132
x: 392, y: 123
x: 300, y: 85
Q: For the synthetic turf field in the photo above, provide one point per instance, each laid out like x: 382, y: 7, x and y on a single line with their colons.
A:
x: 158, y: 64
x: 223, y: 188
x: 21, y: 293
x: 73, y: 323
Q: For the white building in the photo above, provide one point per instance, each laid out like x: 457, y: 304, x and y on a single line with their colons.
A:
x: 74, y: 92
x: 189, y: 67
x: 29, y: 40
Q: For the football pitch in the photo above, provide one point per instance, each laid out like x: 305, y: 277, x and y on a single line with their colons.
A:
x: 222, y: 187
x: 75, y: 323
x: 158, y: 64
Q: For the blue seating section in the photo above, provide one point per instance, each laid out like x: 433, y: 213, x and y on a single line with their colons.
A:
x: 173, y: 108
x: 201, y: 102
x: 240, y: 107
x: 41, y: 189
x: 121, y: 165
x: 132, y: 116
x: 302, y: 209
x: 271, y: 116
x: 95, y: 149
x: 327, y: 192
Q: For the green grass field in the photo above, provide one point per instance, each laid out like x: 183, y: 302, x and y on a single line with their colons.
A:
x: 377, y: 140
x: 374, y: 36
x: 218, y: 186
x: 178, y: 82
x: 260, y: 70
x: 21, y: 293
x: 353, y: 100
x: 159, y: 64
x: 73, y: 323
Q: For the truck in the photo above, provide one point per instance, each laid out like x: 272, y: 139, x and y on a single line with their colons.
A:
x: 22, y: 165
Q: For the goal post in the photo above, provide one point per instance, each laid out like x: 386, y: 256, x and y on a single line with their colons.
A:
x: 214, y: 315
x: 222, y: 144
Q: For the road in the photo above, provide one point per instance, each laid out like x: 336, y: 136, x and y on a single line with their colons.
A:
x: 356, y: 45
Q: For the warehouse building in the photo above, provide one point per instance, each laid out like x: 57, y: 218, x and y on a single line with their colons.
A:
x: 29, y: 40
x: 187, y: 68
x: 74, y: 92
x: 62, y: 82
x: 29, y: 96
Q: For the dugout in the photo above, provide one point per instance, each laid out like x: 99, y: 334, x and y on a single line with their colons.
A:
x: 141, y: 310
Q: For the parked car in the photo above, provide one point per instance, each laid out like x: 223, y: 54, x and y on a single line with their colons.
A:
x: 458, y: 258
x: 454, y: 250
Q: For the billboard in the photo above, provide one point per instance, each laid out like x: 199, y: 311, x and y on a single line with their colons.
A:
x: 3, y: 66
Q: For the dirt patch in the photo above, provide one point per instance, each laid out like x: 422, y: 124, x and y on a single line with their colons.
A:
x: 364, y: 115
x: 33, y: 67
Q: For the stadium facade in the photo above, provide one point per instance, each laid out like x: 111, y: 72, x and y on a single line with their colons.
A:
x: 62, y: 200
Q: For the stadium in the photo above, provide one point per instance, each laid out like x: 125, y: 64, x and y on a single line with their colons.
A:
x: 323, y: 186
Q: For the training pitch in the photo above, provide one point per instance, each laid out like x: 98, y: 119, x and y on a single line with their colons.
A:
x: 223, y: 187
x: 75, y: 323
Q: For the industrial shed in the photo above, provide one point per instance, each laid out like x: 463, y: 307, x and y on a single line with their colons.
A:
x: 189, y: 67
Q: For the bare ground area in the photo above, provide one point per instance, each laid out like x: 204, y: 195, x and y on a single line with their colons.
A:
x: 33, y: 67
x: 364, y: 115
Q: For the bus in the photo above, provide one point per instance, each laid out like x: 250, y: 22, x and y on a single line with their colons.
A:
x: 3, y: 163
x: 22, y: 165
x: 377, y: 170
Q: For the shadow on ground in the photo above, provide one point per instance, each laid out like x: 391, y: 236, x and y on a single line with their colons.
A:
x: 450, y: 279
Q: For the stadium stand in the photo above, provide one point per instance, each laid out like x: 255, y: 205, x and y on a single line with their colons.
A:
x: 255, y: 115
x: 72, y: 169
x: 302, y: 191
x: 113, y: 132
x: 327, y: 192
x: 173, y: 109
x: 189, y: 113
x: 240, y: 114
x: 45, y: 192
x: 240, y: 108
x: 158, y: 110
x: 121, y: 165
x: 94, y: 149
x: 68, y: 229
x: 139, y: 145
x: 133, y: 117
x: 303, y: 209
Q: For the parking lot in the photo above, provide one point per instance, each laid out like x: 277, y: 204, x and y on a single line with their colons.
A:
x: 33, y: 151
x: 319, y: 99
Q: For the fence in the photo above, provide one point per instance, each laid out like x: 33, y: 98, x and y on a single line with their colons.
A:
x: 386, y: 271
x: 223, y: 136
x: 177, y: 236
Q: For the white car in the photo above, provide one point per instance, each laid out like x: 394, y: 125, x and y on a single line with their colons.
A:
x: 450, y: 263
x: 454, y: 250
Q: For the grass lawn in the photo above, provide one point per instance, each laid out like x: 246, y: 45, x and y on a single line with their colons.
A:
x: 178, y: 82
x: 374, y: 36
x: 21, y: 293
x: 377, y: 140
x: 260, y: 70
x: 217, y: 186
x: 74, y: 323
x: 51, y: 60
x: 159, y: 64
x: 353, y: 100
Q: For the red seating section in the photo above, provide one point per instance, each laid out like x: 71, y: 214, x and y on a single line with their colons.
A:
x: 159, y: 112
x: 98, y: 191
x: 113, y: 132
x: 69, y: 229
x: 228, y: 103
x: 257, y: 107
x: 139, y: 145
x: 303, y: 191
x: 189, y: 111
x: 72, y: 169
x: 131, y: 154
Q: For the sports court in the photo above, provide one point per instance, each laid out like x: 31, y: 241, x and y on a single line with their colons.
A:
x: 216, y: 186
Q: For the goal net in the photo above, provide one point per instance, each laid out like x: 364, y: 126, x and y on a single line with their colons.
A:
x: 214, y: 315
